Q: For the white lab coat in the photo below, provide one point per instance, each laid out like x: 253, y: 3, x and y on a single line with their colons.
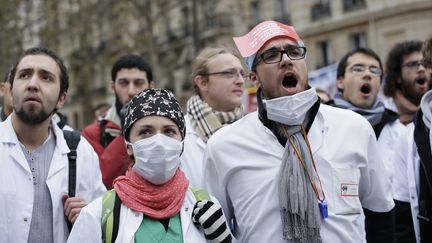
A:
x: 243, y: 159
x: 387, y: 142
x: 193, y: 155
x: 88, y: 228
x: 16, y: 184
x: 406, y: 167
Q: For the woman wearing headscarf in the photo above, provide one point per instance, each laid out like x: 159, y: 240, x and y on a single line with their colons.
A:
x: 153, y: 202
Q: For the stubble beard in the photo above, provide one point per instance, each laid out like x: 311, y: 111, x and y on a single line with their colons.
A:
x: 33, y: 118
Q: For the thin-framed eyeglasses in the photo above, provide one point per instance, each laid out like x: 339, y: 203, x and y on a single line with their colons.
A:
x: 228, y: 74
x: 416, y: 64
x: 359, y: 69
x: 274, y: 56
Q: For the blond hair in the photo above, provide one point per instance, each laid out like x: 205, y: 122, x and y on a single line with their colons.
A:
x: 199, y: 66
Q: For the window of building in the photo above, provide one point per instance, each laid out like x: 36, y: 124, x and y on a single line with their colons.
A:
x: 324, y: 54
x: 281, y: 11
x: 185, y: 20
x: 76, y: 120
x: 350, y: 5
x: 209, y: 12
x: 320, y: 9
x: 255, y: 11
x: 358, y: 40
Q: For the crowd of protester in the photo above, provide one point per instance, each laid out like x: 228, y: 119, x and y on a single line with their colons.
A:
x: 300, y: 167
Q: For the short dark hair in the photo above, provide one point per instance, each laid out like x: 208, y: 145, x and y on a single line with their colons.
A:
x: 394, y: 64
x: 130, y: 61
x: 64, y: 78
x: 344, y: 60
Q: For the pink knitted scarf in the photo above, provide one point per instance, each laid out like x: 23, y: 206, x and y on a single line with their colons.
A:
x: 156, y: 201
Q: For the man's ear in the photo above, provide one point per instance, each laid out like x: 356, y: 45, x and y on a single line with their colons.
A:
x: 340, y: 83
x: 61, y: 101
x: 253, y: 76
x: 112, y: 86
x: 2, y: 87
x: 201, y: 82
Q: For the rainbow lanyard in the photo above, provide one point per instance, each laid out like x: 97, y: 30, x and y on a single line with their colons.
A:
x: 322, y: 204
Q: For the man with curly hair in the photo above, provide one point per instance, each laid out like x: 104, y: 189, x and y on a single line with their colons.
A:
x: 406, y: 79
x: 413, y: 170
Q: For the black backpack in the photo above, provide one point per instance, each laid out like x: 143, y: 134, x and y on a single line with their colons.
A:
x: 72, y: 139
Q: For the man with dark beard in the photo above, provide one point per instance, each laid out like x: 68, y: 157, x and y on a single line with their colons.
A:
x: 7, y: 108
x: 34, y: 205
x: 406, y: 79
x: 412, y: 186
x: 130, y: 75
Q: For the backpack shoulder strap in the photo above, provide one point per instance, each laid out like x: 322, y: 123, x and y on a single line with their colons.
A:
x: 72, y: 139
x: 110, y: 216
x: 421, y: 138
x: 200, y: 194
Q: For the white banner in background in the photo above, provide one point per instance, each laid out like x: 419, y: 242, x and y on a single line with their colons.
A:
x: 325, y: 79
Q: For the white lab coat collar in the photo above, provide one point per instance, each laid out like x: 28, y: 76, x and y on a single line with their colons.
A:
x: 317, y: 132
x: 112, y: 115
x: 17, y: 153
x: 10, y: 135
x: 190, y: 132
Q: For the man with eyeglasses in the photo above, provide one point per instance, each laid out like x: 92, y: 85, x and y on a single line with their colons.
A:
x: 359, y: 76
x: 413, y: 171
x: 406, y: 79
x: 296, y: 170
x: 218, y: 79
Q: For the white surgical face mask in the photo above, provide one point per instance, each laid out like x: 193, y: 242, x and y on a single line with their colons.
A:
x: 291, y: 110
x: 157, y: 158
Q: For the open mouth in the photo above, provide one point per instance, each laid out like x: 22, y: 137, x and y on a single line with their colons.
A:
x: 365, y: 89
x: 421, y: 81
x: 289, y: 81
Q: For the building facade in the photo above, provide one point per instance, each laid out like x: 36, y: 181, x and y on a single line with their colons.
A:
x: 91, y: 34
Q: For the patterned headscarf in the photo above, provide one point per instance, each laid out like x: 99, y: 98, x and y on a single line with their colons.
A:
x: 154, y: 102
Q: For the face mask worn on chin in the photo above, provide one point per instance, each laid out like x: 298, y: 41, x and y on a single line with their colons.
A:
x: 291, y: 110
x: 157, y: 158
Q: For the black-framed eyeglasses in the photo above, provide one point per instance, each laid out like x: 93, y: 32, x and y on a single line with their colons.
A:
x: 275, y: 56
x: 359, y: 69
x: 228, y: 74
x: 416, y: 64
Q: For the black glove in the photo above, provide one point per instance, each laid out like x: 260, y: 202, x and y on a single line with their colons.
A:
x: 211, y: 218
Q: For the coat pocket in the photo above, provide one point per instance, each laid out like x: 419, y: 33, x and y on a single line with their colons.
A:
x: 346, y: 190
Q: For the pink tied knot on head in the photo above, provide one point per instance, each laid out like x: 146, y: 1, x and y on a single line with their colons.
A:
x: 249, y: 44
